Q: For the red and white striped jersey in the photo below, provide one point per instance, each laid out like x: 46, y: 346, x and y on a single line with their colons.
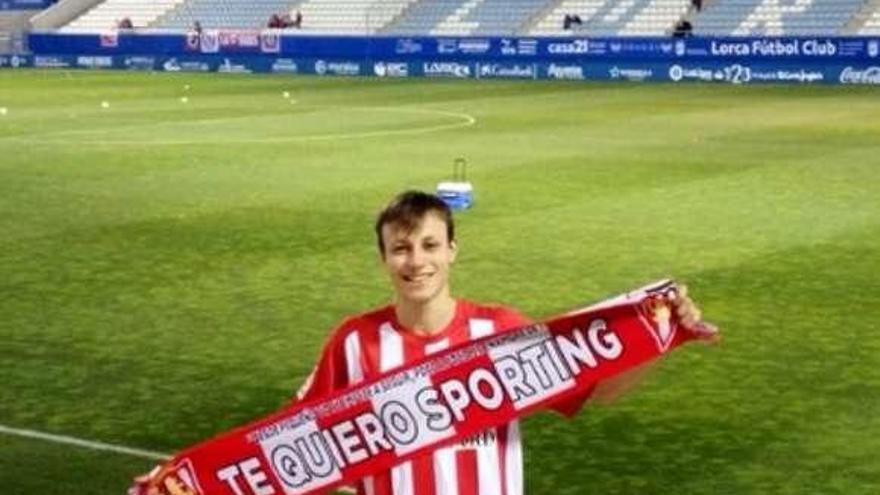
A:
x: 363, y: 346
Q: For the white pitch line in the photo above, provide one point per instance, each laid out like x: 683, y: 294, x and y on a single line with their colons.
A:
x: 464, y: 120
x: 86, y: 444
x: 92, y: 445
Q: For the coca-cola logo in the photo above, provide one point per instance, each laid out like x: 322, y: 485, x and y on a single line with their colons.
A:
x: 870, y: 75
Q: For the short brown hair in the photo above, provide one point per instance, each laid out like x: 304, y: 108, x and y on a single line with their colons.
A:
x: 408, y: 209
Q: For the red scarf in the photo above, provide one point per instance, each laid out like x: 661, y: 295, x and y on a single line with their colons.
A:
x: 443, y: 398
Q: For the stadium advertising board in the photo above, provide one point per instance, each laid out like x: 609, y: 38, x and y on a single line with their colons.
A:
x: 391, y: 69
x: 337, y: 67
x: 807, y: 60
x: 25, y: 4
x: 53, y: 61
x: 447, y: 69
x: 532, y: 49
x: 15, y: 61
x: 867, y: 75
x: 702, y: 72
x: 508, y: 70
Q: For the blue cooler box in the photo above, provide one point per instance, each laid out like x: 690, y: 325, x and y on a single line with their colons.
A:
x: 458, y: 195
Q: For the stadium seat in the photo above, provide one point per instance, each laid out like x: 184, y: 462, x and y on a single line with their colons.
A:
x: 775, y: 17
x: 241, y: 14
x: 470, y: 17
x: 350, y: 16
x: 106, y: 15
x: 871, y: 25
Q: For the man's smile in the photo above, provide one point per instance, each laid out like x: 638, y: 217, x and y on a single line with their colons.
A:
x: 418, y: 277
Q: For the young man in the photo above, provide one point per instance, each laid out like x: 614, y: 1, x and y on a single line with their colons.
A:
x: 416, y: 238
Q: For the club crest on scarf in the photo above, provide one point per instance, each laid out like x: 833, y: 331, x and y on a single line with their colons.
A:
x: 176, y: 479
x: 657, y: 315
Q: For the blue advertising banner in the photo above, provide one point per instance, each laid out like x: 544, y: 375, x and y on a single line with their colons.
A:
x: 808, y: 60
x: 532, y: 49
x: 25, y: 4
x: 717, y: 71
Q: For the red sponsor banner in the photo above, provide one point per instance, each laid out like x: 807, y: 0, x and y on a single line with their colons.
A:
x: 444, y: 398
x: 239, y: 38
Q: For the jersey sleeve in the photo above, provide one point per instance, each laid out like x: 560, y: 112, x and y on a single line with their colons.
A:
x: 329, y: 374
x: 508, y: 319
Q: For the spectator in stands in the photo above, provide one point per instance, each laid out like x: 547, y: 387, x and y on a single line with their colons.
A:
x: 683, y: 29
x: 571, y: 20
x: 697, y: 5
x: 124, y: 23
x: 284, y: 21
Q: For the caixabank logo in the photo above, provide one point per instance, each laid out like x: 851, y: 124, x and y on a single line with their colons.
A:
x: 508, y: 71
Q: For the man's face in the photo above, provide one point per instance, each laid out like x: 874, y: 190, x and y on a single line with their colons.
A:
x: 418, y: 261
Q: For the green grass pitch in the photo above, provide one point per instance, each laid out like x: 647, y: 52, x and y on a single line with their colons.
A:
x: 169, y: 269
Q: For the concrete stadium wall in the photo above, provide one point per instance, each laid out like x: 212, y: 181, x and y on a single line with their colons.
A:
x: 13, y: 26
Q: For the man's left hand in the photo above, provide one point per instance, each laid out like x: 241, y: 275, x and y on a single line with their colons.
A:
x: 691, y: 318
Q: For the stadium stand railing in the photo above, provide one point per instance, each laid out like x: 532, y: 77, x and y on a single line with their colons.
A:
x: 106, y: 15
x: 776, y: 17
